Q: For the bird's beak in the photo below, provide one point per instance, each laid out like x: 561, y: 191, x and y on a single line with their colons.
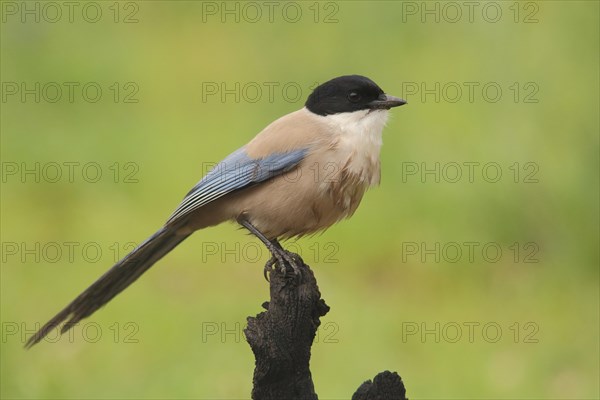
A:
x: 385, y: 102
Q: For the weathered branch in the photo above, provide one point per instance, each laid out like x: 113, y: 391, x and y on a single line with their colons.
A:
x: 282, y: 336
x: 386, y: 386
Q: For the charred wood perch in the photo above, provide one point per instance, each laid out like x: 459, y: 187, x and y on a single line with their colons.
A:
x: 281, y: 338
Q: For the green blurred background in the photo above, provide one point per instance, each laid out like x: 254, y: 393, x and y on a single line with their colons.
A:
x: 176, y: 333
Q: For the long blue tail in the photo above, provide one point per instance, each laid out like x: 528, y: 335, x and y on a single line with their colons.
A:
x: 113, y: 282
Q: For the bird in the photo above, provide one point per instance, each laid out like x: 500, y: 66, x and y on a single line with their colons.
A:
x: 301, y: 174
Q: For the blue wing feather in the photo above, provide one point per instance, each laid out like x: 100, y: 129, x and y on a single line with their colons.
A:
x: 236, y: 171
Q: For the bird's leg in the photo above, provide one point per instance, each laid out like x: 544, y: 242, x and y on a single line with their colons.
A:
x: 288, y: 257
x: 279, y: 255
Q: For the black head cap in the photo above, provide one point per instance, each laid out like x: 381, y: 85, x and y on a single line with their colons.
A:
x: 349, y: 93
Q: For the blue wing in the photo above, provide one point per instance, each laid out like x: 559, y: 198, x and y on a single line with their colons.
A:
x: 235, y: 172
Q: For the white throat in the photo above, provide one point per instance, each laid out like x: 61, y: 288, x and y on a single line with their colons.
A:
x: 358, y: 136
x: 360, y: 130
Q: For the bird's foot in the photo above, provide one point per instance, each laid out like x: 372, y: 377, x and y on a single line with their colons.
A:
x: 279, y: 256
x: 283, y: 258
x: 269, y: 267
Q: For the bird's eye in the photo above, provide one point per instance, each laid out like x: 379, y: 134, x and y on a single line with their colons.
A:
x: 353, y: 97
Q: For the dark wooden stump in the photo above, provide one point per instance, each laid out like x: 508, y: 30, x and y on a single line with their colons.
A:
x: 282, y: 336
x: 386, y: 386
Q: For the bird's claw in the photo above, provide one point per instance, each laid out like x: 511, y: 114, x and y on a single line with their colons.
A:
x: 269, y: 267
x: 282, y: 258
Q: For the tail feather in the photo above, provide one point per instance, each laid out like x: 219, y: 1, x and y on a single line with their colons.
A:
x: 113, y: 282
